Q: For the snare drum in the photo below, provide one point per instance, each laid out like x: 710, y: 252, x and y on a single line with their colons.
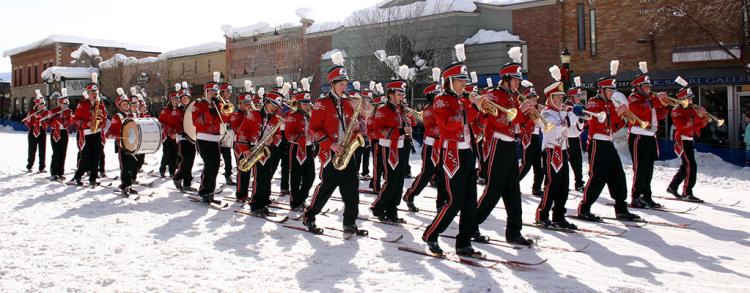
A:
x: 141, y: 136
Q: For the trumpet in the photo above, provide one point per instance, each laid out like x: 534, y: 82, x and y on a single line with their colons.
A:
x: 492, y: 108
x: 590, y: 115
x: 259, y: 152
x: 535, y: 115
x: 632, y: 117
x: 673, y: 101
x: 711, y: 118
x: 417, y: 114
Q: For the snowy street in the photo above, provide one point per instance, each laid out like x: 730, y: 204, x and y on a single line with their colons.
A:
x: 58, y: 238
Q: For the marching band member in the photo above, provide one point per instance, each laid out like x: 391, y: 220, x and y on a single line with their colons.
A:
x: 363, y: 153
x: 60, y: 119
x: 185, y: 147
x: 281, y: 153
x: 477, y: 126
x: 169, y: 131
x: 90, y: 119
x: 688, y: 121
x: 128, y: 162
x: 141, y: 112
x: 642, y: 144
x: 453, y: 115
x: 208, y: 118
x: 605, y: 166
x: 531, y: 140
x: 430, y: 152
x: 555, y: 144
x: 575, y: 96
x: 500, y: 148
x: 330, y: 122
x: 37, y: 136
x: 374, y: 136
x: 394, y: 126
x: 257, y: 125
x: 301, y: 148
x: 245, y: 104
x: 227, y: 144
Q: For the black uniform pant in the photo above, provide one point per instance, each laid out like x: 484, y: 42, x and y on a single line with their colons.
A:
x: 556, y: 185
x: 101, y: 161
x: 209, y: 151
x: 377, y: 166
x: 169, y: 157
x: 226, y: 156
x: 141, y: 159
x: 302, y: 175
x: 283, y: 155
x: 428, y: 169
x: 479, y: 149
x: 262, y: 175
x: 37, y: 143
x: 59, y: 151
x: 389, y: 196
x: 363, y: 155
x: 90, y: 156
x: 185, y: 160
x: 461, y: 190
x: 128, y: 168
x: 502, y: 182
x: 605, y: 167
x: 532, y: 158
x: 243, y: 180
x: 644, y: 152
x: 576, y: 159
x: 688, y: 170
x: 348, y: 184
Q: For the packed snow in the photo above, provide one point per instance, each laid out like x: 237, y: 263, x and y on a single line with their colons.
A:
x: 84, y: 48
x: 488, y: 36
x: 194, y: 50
x: 323, y: 27
x: 54, y: 73
x: 254, y: 29
x: 375, y: 15
x: 79, y: 40
x: 58, y: 238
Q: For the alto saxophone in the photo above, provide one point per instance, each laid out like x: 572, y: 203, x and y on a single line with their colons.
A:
x: 260, y: 151
x: 94, y: 126
x: 348, y: 143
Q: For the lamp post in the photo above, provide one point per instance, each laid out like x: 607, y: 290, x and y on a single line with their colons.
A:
x: 565, y: 70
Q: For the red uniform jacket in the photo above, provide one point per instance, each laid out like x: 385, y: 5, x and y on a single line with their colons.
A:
x: 687, y: 124
x: 115, y: 127
x: 253, y: 128
x: 61, y: 121
x: 83, y: 115
x: 642, y: 107
x: 500, y: 124
x: 207, y: 120
x: 611, y: 124
x: 390, y: 121
x: 34, y: 121
x: 326, y: 124
x: 298, y: 132
x: 452, y: 115
x: 168, y: 117
x: 178, y: 114
x: 372, y: 133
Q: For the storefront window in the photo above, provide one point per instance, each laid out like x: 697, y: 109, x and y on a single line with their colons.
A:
x: 714, y: 99
x: 744, y: 119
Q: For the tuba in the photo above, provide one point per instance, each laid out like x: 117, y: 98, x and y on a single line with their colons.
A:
x: 348, y: 142
x: 259, y: 152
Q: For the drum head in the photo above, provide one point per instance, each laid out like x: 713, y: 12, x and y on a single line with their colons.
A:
x: 131, y: 136
x: 187, y: 122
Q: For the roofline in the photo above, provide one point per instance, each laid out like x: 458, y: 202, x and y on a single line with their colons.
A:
x: 517, y: 6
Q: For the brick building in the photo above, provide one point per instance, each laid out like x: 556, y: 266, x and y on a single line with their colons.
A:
x: 29, y: 61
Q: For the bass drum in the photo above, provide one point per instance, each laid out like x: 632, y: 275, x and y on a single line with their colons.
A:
x: 140, y: 136
x: 187, y: 123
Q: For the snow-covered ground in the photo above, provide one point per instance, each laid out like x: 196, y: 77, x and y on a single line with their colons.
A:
x: 58, y: 238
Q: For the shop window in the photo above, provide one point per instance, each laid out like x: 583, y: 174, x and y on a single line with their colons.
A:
x: 581, y: 15
x: 714, y: 99
x: 745, y: 118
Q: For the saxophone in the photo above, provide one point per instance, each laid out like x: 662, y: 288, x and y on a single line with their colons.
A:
x: 259, y: 152
x: 94, y: 126
x: 347, y: 142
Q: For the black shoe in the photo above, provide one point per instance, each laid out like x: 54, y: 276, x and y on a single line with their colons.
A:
x: 61, y: 178
x: 638, y: 203
x: 627, y: 216
x: 537, y: 192
x: 545, y: 223
x: 54, y: 178
x: 230, y: 182
x: 125, y: 189
x: 412, y: 207
x: 102, y: 175
x: 263, y: 213
x: 434, y: 248
x: 478, y: 237
x: 579, y: 187
x: 396, y: 220
x: 190, y: 188
x: 162, y: 175
x: 382, y: 218
x: 674, y: 192
x: 41, y: 170
x: 207, y: 198
x: 588, y: 216
x: 352, y: 229
x: 310, y: 225
x: 299, y: 208
x: 692, y: 198
x: 469, y: 251
x: 28, y: 170
x: 519, y: 240
x: 565, y: 225
x: 77, y: 182
x: 178, y: 185
x: 651, y: 204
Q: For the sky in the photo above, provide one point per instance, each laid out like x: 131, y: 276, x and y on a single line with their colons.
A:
x: 168, y: 25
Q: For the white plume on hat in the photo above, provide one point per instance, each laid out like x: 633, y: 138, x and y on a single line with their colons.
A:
x: 555, y: 72
x: 403, y: 72
x: 474, y: 78
x: 120, y: 91
x: 261, y: 92
x: 338, y: 58
x: 643, y: 66
x: 577, y: 81
x: 294, y: 85
x: 217, y: 76
x: 85, y: 95
x: 305, y: 84
x: 527, y: 83
x: 460, y: 52
x: 279, y: 81
x: 285, y: 88
x: 177, y: 86
x: 515, y: 54
x: 681, y: 81
x: 614, y: 65
x: 436, y: 74
x: 356, y: 85
x: 248, y: 85
x: 64, y: 92
x: 489, y: 82
x: 381, y: 55
x: 379, y: 87
x: 185, y: 85
x: 372, y: 85
x: 38, y: 93
x: 133, y: 91
x: 94, y: 77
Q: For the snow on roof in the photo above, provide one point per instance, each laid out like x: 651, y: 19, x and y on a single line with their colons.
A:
x: 323, y: 27
x: 373, y: 15
x: 327, y: 55
x: 125, y: 60
x: 255, y: 29
x: 54, y: 73
x: 488, y: 36
x: 84, y: 48
x: 503, y: 2
x: 194, y: 50
x: 79, y: 40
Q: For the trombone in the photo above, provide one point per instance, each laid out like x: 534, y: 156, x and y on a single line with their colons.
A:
x: 226, y: 109
x: 711, y: 118
x: 535, y: 115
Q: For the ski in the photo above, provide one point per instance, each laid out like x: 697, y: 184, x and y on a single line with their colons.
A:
x: 304, y: 229
x: 734, y: 203
x: 493, y: 243
x: 574, y: 231
x: 624, y: 223
x: 217, y: 204
x: 275, y: 219
x: 663, y: 209
x: 657, y: 223
x: 366, y: 202
x: 384, y: 239
x: 376, y: 220
x: 472, y: 261
x: 88, y: 185
x: 131, y: 196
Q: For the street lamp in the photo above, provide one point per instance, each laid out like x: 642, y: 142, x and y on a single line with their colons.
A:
x: 565, y: 71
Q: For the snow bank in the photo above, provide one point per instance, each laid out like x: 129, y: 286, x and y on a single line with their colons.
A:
x: 54, y: 73
x: 373, y: 15
x: 79, y: 40
x: 194, y: 50
x: 487, y: 36
x: 84, y: 48
x: 323, y: 27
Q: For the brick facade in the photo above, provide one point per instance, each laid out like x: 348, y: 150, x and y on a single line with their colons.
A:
x: 537, y: 26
